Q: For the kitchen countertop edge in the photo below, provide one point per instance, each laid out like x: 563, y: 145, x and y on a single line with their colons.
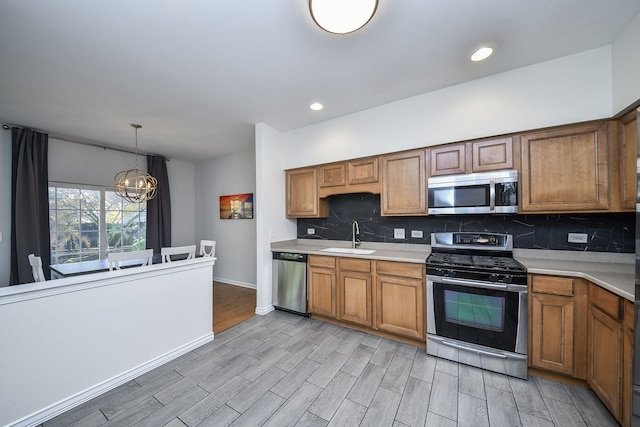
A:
x: 399, y: 252
x: 613, y: 272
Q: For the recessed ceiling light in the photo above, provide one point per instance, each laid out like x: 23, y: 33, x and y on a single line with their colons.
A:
x: 482, y: 53
x: 316, y: 106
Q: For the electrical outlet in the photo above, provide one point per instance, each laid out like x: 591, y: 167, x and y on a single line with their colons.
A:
x: 578, y: 237
x: 398, y: 233
x: 311, y: 231
x: 416, y: 234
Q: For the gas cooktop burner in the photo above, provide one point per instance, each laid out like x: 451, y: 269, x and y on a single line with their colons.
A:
x: 466, y: 255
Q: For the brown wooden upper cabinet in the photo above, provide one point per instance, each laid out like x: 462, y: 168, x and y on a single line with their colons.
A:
x: 302, y: 194
x: 475, y: 156
x: 628, y: 137
x: 566, y: 170
x: 351, y: 176
x: 404, y: 184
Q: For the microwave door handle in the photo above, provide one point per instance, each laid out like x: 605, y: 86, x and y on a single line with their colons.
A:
x: 492, y: 195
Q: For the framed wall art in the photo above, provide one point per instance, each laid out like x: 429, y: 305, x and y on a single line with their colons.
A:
x: 236, y: 206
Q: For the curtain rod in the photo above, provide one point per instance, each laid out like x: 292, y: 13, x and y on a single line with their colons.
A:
x: 78, y: 141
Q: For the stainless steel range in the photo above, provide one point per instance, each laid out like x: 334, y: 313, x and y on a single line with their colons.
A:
x: 477, y: 302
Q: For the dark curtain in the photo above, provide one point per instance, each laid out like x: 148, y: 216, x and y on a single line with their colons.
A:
x: 29, y: 203
x: 159, y: 208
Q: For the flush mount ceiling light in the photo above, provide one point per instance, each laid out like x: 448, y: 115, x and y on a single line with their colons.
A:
x: 482, y: 53
x: 135, y: 185
x: 316, y: 106
x: 342, y: 16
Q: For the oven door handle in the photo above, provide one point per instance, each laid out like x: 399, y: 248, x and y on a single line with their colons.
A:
x: 460, y: 282
x: 474, y: 350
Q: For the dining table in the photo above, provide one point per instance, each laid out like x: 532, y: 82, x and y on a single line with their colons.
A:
x: 60, y: 271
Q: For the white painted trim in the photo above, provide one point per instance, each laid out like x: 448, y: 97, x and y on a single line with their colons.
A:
x: 29, y: 291
x: 235, y: 282
x: 71, y: 402
x: 264, y: 310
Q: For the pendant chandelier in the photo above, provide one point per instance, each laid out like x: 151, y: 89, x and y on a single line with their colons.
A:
x: 135, y: 185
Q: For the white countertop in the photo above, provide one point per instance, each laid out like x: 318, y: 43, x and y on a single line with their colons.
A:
x: 402, y: 252
x: 614, y: 272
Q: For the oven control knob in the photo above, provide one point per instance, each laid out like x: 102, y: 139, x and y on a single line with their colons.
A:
x: 494, y: 277
x: 507, y: 279
x: 450, y: 273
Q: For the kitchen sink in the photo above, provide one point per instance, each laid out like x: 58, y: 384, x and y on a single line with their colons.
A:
x: 348, y: 251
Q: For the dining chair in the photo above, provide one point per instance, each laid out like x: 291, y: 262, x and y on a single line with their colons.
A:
x: 167, y: 252
x: 115, y: 258
x: 36, y: 268
x: 208, y: 248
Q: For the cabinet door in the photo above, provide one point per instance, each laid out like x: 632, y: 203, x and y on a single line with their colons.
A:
x: 448, y: 160
x: 566, y: 170
x: 552, y: 332
x: 332, y: 175
x: 302, y: 194
x: 628, y: 134
x: 322, y: 291
x: 355, y: 289
x: 362, y: 171
x: 604, y: 372
x: 627, y: 377
x: 400, y: 306
x: 492, y: 154
x: 404, y: 186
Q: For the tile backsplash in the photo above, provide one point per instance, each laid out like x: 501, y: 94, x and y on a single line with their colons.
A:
x: 605, y: 232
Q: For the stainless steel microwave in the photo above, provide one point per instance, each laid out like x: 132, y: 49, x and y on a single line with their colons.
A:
x: 494, y: 192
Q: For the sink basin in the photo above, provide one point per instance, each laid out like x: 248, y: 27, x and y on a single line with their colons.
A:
x: 348, y: 251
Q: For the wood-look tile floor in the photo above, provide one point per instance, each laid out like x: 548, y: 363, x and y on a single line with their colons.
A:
x: 285, y: 370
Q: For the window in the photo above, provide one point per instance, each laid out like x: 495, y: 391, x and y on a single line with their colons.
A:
x: 87, y: 222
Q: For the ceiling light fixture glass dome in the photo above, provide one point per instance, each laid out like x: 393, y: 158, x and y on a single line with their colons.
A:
x: 342, y: 16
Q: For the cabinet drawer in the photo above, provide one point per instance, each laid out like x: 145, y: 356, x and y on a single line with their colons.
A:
x: 552, y: 285
x: 322, y: 261
x: 352, y: 264
x: 628, y: 315
x: 400, y: 269
x: 605, y: 301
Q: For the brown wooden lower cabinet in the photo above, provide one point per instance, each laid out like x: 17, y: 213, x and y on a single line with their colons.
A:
x: 557, y: 329
x: 605, y: 359
x: 381, y: 295
x: 609, y: 351
x: 400, y: 306
x: 580, y: 329
x: 355, y: 291
x: 321, y: 286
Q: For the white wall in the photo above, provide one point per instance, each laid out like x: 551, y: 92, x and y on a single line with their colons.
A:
x: 5, y: 206
x: 271, y: 222
x: 566, y: 90
x: 626, y: 66
x: 71, y: 339
x: 235, y: 239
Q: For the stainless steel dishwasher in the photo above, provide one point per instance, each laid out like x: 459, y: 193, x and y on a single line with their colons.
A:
x: 290, y: 282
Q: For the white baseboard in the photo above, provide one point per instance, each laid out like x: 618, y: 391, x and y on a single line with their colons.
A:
x: 264, y: 310
x: 70, y: 402
x: 235, y: 282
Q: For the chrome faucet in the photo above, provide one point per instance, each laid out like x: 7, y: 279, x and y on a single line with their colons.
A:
x: 355, y: 232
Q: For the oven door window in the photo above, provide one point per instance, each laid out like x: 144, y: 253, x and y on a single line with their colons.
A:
x: 486, y: 317
x: 459, y: 197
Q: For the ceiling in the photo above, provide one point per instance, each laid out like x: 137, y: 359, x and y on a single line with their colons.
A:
x: 198, y: 74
